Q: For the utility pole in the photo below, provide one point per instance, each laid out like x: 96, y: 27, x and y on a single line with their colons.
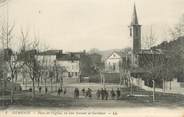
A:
x: 153, y: 90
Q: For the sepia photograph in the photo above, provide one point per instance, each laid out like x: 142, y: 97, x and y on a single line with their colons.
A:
x: 96, y: 58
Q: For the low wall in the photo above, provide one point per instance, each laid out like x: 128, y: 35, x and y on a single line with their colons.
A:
x: 112, y: 78
x: 70, y: 80
x: 169, y: 86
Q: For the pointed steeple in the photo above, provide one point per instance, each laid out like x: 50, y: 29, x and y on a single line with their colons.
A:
x: 134, y: 17
x: 135, y: 32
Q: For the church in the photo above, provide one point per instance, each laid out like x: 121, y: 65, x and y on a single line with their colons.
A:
x: 136, y: 58
x: 115, y: 61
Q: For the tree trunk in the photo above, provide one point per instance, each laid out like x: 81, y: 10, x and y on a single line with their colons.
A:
x: 38, y: 82
x: 153, y: 90
x: 33, y: 89
x: 45, y: 83
x: 103, y: 81
x: 26, y: 83
x: 61, y: 82
x: 51, y: 84
x: 164, y: 85
x: 3, y: 88
x: 12, y: 89
x: 131, y: 86
x: 170, y: 85
x: 12, y: 93
x: 120, y: 78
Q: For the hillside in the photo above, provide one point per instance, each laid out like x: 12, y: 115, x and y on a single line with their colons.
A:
x: 172, y: 46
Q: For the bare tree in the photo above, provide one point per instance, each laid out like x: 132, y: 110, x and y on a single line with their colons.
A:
x: 152, y: 63
x: 28, y: 52
x: 7, y: 38
x: 149, y: 38
x: 178, y: 30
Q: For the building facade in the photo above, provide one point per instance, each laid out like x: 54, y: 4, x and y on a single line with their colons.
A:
x: 113, y: 62
x: 71, y: 64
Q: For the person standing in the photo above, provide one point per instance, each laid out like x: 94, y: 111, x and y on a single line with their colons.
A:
x: 59, y: 92
x: 46, y: 90
x: 98, y: 94
x: 112, y: 94
x: 106, y: 94
x: 102, y: 94
x: 20, y: 88
x: 118, y: 93
x: 89, y: 93
x: 40, y: 89
x: 77, y: 93
x: 83, y: 91
x: 64, y: 92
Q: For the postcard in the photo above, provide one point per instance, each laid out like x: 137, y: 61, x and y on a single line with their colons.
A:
x: 91, y: 58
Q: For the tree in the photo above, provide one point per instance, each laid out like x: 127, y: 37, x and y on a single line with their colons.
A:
x: 174, y: 62
x: 7, y: 38
x: 152, y: 64
x: 28, y: 52
x: 58, y: 73
x: 149, y: 39
x: 178, y: 30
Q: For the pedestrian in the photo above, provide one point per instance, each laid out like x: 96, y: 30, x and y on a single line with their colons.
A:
x: 89, y: 93
x: 64, y: 92
x: 102, y: 94
x: 98, y: 94
x: 76, y: 93
x: 83, y: 91
x: 46, y: 90
x: 40, y: 89
x: 106, y: 94
x: 20, y: 88
x: 30, y: 89
x: 59, y: 92
x: 118, y: 93
x: 112, y: 94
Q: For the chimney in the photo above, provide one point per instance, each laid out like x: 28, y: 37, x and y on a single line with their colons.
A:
x: 60, y: 52
x: 84, y: 51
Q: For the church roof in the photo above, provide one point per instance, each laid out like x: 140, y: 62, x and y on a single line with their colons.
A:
x: 151, y: 51
x: 120, y: 53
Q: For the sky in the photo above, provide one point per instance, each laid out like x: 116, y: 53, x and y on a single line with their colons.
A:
x: 75, y: 25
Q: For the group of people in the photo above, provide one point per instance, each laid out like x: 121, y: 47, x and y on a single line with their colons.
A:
x: 103, y: 94
x: 87, y: 93
x: 60, y: 90
x: 40, y: 90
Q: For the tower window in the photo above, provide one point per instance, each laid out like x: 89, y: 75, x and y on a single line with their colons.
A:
x: 130, y: 31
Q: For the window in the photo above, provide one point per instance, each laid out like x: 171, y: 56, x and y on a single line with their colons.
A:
x: 69, y: 75
x: 76, y: 73
x: 114, y: 66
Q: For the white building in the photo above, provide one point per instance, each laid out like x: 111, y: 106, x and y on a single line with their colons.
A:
x: 72, y: 66
x: 113, y: 62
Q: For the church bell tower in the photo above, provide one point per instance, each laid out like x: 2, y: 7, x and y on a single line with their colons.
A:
x: 135, y: 32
